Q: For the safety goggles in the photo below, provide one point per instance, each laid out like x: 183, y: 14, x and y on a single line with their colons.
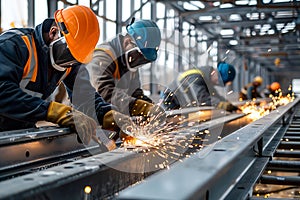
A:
x: 60, y: 55
x: 135, y: 59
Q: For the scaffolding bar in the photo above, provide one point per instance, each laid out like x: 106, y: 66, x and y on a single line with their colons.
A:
x: 280, y: 180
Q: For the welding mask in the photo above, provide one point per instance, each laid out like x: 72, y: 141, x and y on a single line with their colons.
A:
x: 134, y: 59
x: 60, y: 55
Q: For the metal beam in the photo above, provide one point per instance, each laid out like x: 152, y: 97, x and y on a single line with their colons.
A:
x: 68, y: 181
x: 200, y: 176
x: 280, y: 180
x: 52, y: 7
x: 106, y: 173
x: 31, y: 13
x: 24, y: 149
x: 119, y: 16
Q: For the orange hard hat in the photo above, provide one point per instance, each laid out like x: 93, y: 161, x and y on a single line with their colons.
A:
x: 258, y: 79
x: 80, y: 27
x: 275, y: 86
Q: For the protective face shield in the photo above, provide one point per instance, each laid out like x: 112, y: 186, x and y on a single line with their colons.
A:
x: 60, y: 55
x: 146, y: 35
x: 135, y: 59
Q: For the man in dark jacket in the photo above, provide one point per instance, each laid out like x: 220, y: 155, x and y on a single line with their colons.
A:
x: 114, y: 68
x: 195, y: 87
x: 250, y: 91
x: 33, y: 63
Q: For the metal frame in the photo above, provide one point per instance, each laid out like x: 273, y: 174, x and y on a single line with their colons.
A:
x: 26, y: 150
x: 211, y: 173
x: 101, y: 172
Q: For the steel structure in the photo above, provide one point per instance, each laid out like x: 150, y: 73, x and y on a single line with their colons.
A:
x: 56, y: 167
x: 265, y: 33
x: 49, y: 163
x: 230, y: 168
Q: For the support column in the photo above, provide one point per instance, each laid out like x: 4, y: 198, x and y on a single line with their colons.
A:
x: 52, y: 7
x: 31, y: 13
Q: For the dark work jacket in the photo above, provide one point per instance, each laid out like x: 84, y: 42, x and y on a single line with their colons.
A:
x: 21, y: 106
x: 192, y: 88
x: 249, y: 92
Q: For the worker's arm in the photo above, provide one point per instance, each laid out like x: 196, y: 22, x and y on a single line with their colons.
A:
x: 116, y: 92
x: 199, y: 88
x: 250, y: 92
x: 216, y: 98
x: 83, y: 96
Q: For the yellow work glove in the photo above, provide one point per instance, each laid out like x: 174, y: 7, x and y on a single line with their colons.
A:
x: 65, y: 116
x: 115, y: 121
x: 225, y: 105
x: 145, y: 109
x: 152, y: 113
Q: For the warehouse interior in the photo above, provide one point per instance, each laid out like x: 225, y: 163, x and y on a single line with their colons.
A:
x: 247, y: 154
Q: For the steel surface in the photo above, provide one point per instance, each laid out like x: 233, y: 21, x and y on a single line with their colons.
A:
x: 219, y: 165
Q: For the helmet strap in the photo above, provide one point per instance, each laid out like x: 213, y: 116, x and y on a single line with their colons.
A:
x: 132, y: 21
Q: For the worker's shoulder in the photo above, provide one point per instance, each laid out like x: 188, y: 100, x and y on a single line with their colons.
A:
x: 15, y: 33
x: 105, y: 51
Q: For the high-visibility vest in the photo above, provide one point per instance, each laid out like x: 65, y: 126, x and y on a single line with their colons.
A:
x: 189, y: 72
x: 31, y: 68
x: 107, y: 49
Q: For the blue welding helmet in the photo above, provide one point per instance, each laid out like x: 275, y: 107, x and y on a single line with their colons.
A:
x: 147, y: 37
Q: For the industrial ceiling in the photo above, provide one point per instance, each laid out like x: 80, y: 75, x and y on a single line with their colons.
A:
x: 265, y: 31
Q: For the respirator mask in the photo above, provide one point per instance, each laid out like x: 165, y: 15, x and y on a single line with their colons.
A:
x: 60, y: 55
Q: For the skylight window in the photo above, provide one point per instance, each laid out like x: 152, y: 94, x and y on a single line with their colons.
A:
x: 199, y: 4
x: 257, y: 26
x: 233, y: 42
x: 235, y: 17
x: 266, y: 1
x: 281, y: 1
x: 205, y: 18
x: 226, y: 32
x: 282, y: 14
x: 266, y: 26
x: 242, y: 2
x: 216, y: 3
x: 226, y: 5
x: 252, y: 16
x: 271, y: 32
x: 290, y: 26
x: 279, y: 26
x: 189, y: 6
x: 252, y: 2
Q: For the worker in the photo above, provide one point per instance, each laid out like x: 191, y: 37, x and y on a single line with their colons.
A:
x: 250, y: 91
x: 195, y: 87
x: 33, y: 63
x: 272, y: 90
x: 114, y: 68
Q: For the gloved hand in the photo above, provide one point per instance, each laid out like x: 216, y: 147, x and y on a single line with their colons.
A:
x: 145, y: 109
x: 153, y: 113
x: 139, y: 94
x: 65, y: 116
x: 225, y: 105
x: 115, y: 121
